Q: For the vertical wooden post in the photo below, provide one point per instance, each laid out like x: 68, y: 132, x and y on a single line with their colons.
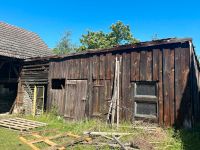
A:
x: 43, y: 90
x: 118, y: 90
x: 34, y: 100
x: 114, y: 93
x: 114, y: 106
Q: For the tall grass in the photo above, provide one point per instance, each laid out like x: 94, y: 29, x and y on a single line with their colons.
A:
x: 168, y: 139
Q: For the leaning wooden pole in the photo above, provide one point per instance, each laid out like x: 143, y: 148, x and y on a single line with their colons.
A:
x: 114, y: 105
x: 118, y: 90
x: 114, y: 94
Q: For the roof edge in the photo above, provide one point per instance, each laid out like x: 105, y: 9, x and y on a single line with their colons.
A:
x: 118, y: 48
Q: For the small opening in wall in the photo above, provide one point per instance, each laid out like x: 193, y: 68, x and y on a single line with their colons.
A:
x: 58, y: 83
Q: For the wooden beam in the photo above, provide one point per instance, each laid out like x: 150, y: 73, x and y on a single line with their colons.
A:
x: 29, y: 144
x: 122, y: 146
x: 107, y: 133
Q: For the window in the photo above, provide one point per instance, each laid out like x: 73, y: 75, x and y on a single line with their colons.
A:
x: 145, y: 89
x: 146, y: 109
x: 58, y: 83
x: 145, y: 97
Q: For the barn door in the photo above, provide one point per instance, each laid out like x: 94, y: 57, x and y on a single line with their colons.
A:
x: 101, y: 98
x: 75, y: 99
x: 38, y: 100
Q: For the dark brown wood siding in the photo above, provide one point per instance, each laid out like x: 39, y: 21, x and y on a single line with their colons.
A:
x: 169, y: 66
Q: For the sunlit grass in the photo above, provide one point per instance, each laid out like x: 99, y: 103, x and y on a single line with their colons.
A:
x: 167, y: 139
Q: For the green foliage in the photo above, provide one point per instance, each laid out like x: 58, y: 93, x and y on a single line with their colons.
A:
x: 64, y: 46
x: 119, y: 34
x: 94, y: 40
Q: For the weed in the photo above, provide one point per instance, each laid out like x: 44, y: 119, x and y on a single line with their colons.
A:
x: 168, y: 139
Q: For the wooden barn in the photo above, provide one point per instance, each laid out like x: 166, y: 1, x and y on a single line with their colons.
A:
x: 157, y: 81
x: 17, y: 45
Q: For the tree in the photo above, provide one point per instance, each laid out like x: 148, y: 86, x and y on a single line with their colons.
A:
x: 94, y: 40
x: 64, y: 46
x: 119, y: 34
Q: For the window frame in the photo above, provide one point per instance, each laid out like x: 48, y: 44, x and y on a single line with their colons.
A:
x: 143, y: 96
x: 145, y: 99
x: 145, y: 115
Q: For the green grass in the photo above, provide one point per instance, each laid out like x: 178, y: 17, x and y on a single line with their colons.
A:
x: 167, y: 139
x: 9, y: 140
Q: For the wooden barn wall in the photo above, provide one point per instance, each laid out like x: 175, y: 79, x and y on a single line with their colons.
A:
x: 195, y: 87
x: 167, y: 65
x: 32, y: 73
x: 35, y: 72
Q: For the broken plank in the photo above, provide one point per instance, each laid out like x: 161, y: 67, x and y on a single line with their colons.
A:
x: 106, y: 133
x: 122, y: 146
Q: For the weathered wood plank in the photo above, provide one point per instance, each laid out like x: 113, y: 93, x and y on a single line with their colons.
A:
x: 185, y: 106
x: 86, y: 66
x: 126, y: 101
x: 178, y: 85
x: 108, y: 90
x: 95, y: 100
x: 156, y: 64
x: 160, y: 87
x: 113, y: 57
x: 108, y: 64
x: 20, y: 123
x: 70, y: 100
x: 68, y: 69
x: 182, y: 84
x: 166, y: 79
x: 96, y: 67
x: 143, y: 65
x: 89, y: 102
x: 73, y: 69
x: 149, y: 65
x: 135, y: 66
x: 101, y: 95
x: 102, y: 66
x: 81, y: 93
x: 77, y: 68
x: 171, y: 88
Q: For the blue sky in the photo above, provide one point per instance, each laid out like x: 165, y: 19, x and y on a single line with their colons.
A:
x: 50, y: 19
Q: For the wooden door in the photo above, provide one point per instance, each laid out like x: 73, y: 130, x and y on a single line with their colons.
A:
x: 75, y: 99
x: 101, y: 97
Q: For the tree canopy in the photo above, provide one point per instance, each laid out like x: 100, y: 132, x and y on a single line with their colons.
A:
x: 64, y: 46
x: 119, y: 34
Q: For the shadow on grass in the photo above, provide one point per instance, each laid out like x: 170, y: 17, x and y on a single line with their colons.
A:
x: 190, y: 138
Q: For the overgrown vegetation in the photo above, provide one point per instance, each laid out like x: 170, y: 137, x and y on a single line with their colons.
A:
x: 159, y: 139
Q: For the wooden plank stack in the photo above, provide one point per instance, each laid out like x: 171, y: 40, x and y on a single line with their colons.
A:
x: 20, y: 124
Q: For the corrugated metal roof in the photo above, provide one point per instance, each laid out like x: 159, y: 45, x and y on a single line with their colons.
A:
x: 19, y: 43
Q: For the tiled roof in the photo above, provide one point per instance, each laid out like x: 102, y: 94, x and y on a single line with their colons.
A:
x: 19, y: 43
